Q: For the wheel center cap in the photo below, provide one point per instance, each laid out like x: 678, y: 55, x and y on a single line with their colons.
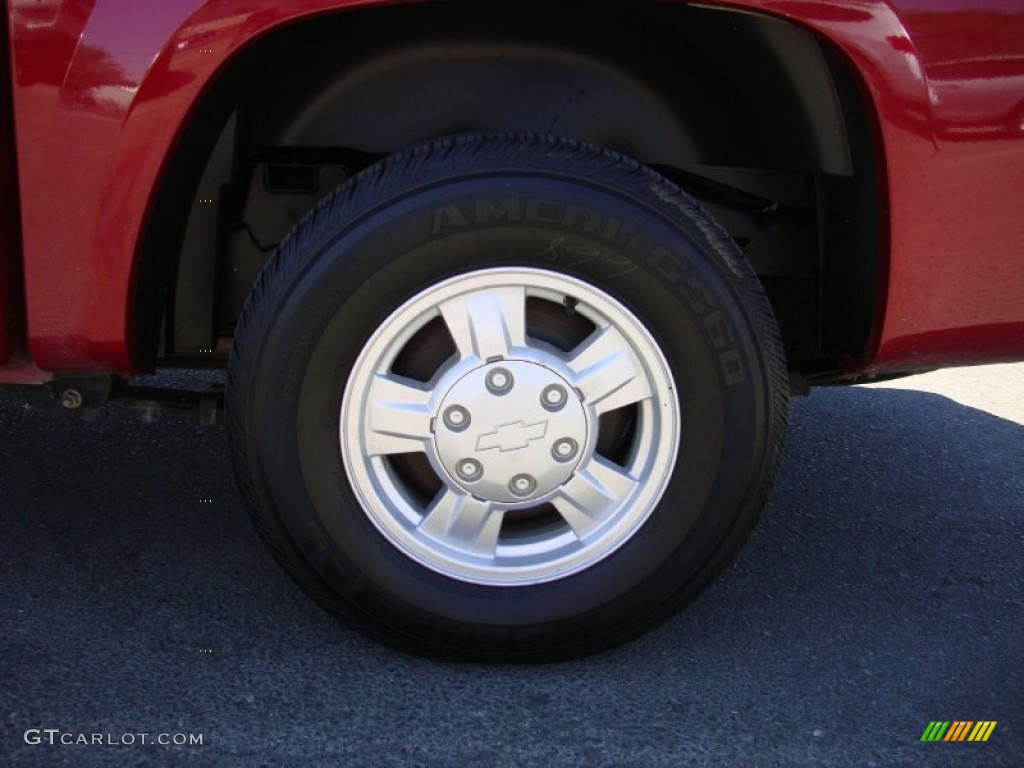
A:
x: 510, y: 431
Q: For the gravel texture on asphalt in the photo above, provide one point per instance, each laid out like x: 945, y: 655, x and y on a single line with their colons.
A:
x: 882, y: 590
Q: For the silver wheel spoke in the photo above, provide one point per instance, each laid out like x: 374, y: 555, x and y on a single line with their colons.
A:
x: 398, y: 417
x: 487, y: 324
x: 464, y: 522
x: 608, y: 372
x: 596, y: 491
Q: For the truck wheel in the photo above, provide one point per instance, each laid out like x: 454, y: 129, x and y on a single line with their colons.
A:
x: 506, y: 397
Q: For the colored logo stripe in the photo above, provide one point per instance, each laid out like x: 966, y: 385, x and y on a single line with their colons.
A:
x: 982, y: 730
x: 958, y: 730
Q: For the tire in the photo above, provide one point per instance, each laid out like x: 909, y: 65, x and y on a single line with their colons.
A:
x: 506, y: 397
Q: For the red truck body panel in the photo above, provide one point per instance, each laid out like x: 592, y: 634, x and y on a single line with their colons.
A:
x: 103, y: 88
x: 10, y: 278
x: 947, y: 85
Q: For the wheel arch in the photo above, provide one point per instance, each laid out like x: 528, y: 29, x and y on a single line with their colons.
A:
x: 449, y: 68
x: 541, y: 71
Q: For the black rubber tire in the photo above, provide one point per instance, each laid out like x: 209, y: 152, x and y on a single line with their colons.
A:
x: 377, y: 241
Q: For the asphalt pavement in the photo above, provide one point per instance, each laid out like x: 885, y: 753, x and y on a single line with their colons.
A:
x: 881, y: 591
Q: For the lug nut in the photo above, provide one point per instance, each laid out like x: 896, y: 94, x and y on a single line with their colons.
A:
x: 469, y: 470
x: 565, y: 449
x: 522, y: 485
x: 554, y: 397
x: 499, y: 381
x: 456, y: 418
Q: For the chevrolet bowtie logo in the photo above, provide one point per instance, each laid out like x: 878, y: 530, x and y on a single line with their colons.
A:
x: 511, y: 436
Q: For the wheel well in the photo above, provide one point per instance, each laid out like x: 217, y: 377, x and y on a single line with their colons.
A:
x: 755, y: 116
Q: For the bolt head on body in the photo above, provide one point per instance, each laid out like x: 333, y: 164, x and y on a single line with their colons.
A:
x: 71, y: 399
